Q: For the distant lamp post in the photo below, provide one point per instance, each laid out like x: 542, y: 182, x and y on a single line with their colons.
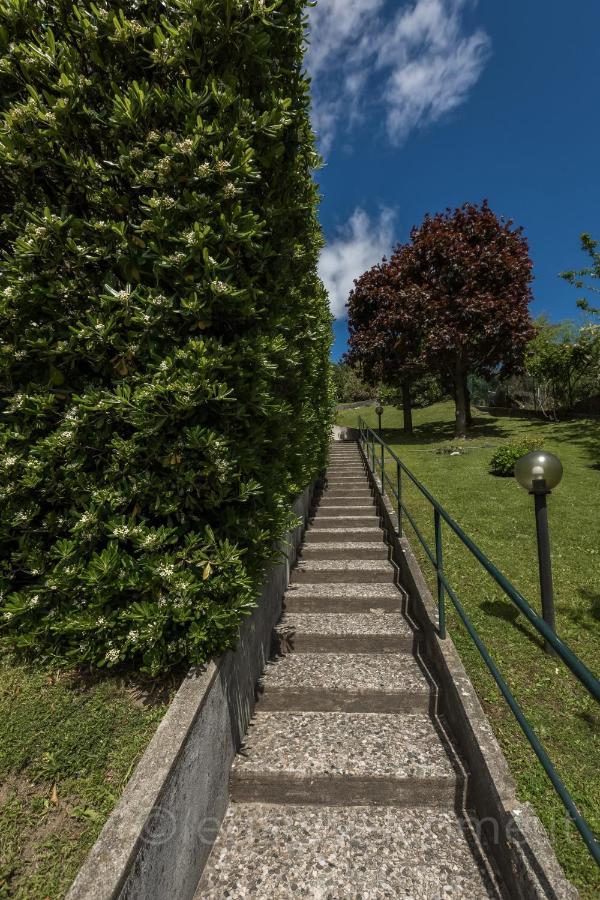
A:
x: 379, y: 411
x: 539, y: 472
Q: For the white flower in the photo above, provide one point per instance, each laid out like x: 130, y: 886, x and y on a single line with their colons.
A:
x: 100, y: 621
x: 220, y: 287
x: 203, y: 170
x: 10, y: 461
x: 121, y: 531
x: 7, y: 616
x: 166, y: 569
x: 223, y: 165
x: 230, y: 189
x: 186, y: 145
x: 112, y: 656
x: 133, y: 636
x: 35, y: 601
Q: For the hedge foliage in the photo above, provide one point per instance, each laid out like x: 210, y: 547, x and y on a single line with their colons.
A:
x: 505, y: 456
x: 164, y: 377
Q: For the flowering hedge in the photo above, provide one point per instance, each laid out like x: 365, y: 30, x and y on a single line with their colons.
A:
x: 164, y: 385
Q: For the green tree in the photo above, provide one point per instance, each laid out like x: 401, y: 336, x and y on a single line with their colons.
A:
x: 164, y: 375
x: 348, y: 384
x: 587, y: 277
x: 565, y: 361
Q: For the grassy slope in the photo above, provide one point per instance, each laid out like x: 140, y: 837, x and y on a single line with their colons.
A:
x: 67, y: 748
x: 499, y: 516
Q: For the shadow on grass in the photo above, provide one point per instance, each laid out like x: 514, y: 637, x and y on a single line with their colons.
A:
x: 501, y: 610
x: 586, y: 618
x: 584, y: 433
x: 436, y: 432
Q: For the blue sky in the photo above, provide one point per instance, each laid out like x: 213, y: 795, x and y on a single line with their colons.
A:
x: 425, y: 104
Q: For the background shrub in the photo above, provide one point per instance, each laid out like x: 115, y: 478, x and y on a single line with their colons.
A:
x: 504, y: 458
x: 164, y: 377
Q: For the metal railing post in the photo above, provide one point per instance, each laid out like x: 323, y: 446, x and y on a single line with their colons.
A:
x: 382, y: 468
x: 439, y: 568
x: 399, y: 496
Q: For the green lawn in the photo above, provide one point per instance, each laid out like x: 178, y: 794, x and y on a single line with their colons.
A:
x: 67, y: 747
x: 498, y: 515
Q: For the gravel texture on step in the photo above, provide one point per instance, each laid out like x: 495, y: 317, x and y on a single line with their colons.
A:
x: 345, y: 550
x: 347, y: 565
x: 346, y: 590
x: 343, y: 853
x: 345, y: 623
x: 354, y: 673
x: 349, y: 509
x: 354, y: 529
x: 396, y: 745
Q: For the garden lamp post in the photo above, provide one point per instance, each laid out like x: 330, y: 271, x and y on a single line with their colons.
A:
x: 538, y: 473
x: 379, y: 411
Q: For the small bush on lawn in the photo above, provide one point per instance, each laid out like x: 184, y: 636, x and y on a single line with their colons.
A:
x: 164, y: 338
x: 504, y: 458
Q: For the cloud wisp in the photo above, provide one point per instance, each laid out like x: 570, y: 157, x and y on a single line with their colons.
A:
x: 410, y: 66
x: 360, y: 244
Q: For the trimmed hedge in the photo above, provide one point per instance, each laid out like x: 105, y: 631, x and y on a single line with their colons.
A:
x: 505, y: 456
x: 164, y: 376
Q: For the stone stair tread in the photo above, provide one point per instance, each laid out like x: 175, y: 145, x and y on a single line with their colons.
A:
x: 354, y: 529
x: 340, y: 744
x: 313, y: 569
x: 351, y: 673
x: 274, y: 851
x: 345, y: 624
x: 346, y: 565
x: 345, y: 589
x: 345, y: 550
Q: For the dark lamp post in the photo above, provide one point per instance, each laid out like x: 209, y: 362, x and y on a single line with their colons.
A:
x: 539, y: 472
x: 379, y: 411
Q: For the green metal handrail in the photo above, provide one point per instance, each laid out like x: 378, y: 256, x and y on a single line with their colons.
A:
x: 368, y: 440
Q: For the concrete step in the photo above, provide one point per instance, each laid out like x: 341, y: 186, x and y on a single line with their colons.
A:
x: 344, y: 632
x: 345, y: 550
x: 364, y: 499
x: 360, y: 495
x: 316, y: 535
x: 347, y: 478
x: 327, y: 571
x: 276, y: 851
x: 345, y: 682
x: 392, y: 759
x: 346, y: 509
x: 323, y: 520
x: 343, y: 598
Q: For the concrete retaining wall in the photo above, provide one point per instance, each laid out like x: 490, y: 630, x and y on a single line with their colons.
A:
x: 158, y: 838
x: 511, y: 830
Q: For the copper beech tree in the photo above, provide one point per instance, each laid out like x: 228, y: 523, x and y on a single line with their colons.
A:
x: 385, y: 330
x: 473, y: 271
x: 454, y: 301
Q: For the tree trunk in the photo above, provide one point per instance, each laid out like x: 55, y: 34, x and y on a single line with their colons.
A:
x: 407, y: 408
x: 460, y: 391
x: 469, y: 417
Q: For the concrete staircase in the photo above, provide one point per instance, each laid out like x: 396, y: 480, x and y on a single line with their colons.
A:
x: 347, y: 784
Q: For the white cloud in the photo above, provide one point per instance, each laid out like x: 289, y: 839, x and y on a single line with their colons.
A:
x: 411, y: 66
x: 360, y: 244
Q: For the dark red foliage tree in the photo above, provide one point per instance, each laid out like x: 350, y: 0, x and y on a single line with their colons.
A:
x: 472, y: 271
x: 385, y: 333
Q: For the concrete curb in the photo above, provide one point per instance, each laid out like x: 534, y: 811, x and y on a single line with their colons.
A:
x: 511, y: 831
x: 157, y: 839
